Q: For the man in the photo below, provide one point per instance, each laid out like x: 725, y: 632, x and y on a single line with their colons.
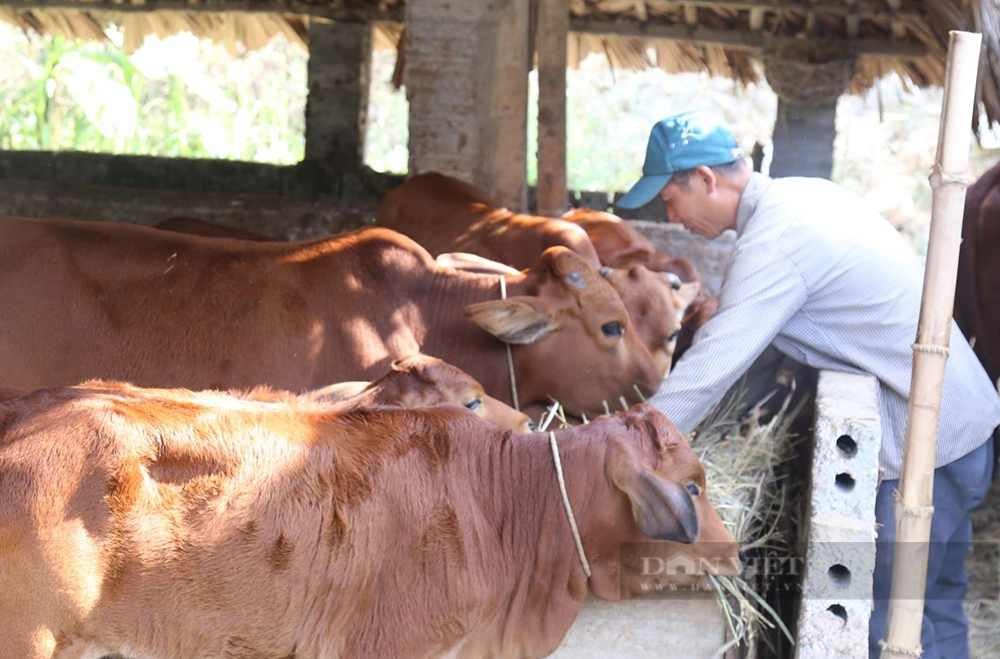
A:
x: 831, y: 284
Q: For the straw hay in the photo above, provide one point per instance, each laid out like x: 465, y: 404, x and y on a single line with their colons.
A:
x: 743, y: 467
x: 236, y: 30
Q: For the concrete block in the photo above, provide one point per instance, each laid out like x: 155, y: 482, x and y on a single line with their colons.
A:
x: 846, y: 444
x: 646, y: 628
x: 839, y: 534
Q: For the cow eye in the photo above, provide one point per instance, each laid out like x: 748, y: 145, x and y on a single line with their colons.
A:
x: 613, y: 329
x: 474, y: 404
x: 692, y: 489
x: 675, y: 281
x: 673, y: 337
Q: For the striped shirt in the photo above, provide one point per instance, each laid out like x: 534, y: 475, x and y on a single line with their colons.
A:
x: 830, y: 283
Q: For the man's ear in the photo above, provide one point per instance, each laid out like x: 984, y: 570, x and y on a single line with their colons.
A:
x: 708, y: 176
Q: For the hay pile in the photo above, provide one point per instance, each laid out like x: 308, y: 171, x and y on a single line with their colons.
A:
x: 743, y: 467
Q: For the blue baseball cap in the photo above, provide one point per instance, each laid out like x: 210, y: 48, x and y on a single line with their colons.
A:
x: 680, y: 142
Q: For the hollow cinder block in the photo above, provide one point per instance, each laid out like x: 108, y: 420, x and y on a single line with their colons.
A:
x: 839, y: 533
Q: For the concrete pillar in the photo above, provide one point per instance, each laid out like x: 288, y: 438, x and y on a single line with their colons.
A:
x: 807, y: 90
x: 337, y: 105
x: 467, y: 84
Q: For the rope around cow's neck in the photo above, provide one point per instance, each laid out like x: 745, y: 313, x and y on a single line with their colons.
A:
x: 569, y: 509
x: 510, y: 357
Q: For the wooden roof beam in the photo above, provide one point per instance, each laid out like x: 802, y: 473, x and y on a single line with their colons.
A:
x: 342, y: 11
x: 337, y: 11
x: 904, y: 10
x: 906, y: 49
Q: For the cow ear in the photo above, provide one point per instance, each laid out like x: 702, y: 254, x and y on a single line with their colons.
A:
x: 512, y: 321
x: 662, y: 509
x: 686, y: 293
x: 403, y: 364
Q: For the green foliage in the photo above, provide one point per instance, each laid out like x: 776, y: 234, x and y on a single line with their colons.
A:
x: 173, y: 97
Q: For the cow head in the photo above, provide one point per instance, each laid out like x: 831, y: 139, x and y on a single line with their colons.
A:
x: 655, y: 304
x: 620, y: 245
x: 696, y: 315
x: 655, y: 525
x: 421, y: 381
x: 579, y: 345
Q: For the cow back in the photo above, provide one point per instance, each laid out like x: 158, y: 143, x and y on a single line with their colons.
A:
x: 445, y: 214
x: 156, y: 308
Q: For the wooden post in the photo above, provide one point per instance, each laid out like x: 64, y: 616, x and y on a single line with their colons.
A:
x: 914, y: 505
x: 553, y: 31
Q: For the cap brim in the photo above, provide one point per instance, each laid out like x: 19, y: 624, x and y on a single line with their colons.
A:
x: 644, y: 191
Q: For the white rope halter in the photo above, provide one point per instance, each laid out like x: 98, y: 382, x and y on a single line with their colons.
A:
x: 510, y: 357
x: 569, y: 509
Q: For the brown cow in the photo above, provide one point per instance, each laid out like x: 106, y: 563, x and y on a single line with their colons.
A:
x: 701, y: 309
x: 169, y: 524
x: 197, y: 227
x: 447, y: 215
x: 619, y: 244
x: 414, y: 381
x: 157, y: 308
x: 656, y: 320
x: 977, y: 292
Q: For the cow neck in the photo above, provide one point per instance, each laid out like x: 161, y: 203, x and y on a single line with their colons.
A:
x: 549, y: 583
x: 454, y: 338
x: 510, y: 360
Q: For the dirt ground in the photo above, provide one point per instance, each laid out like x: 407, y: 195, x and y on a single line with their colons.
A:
x: 982, y: 604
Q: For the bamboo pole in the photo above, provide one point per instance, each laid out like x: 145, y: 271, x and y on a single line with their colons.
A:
x: 914, y: 509
x: 553, y: 33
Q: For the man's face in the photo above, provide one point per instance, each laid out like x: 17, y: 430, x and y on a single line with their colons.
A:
x: 693, y: 204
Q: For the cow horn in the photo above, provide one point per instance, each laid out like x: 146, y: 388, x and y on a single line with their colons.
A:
x: 574, y: 278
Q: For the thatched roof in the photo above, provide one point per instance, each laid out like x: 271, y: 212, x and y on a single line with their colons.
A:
x: 866, y: 38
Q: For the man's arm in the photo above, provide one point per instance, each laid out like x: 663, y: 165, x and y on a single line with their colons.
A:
x: 762, y: 290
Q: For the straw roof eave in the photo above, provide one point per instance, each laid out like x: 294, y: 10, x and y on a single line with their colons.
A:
x: 729, y: 38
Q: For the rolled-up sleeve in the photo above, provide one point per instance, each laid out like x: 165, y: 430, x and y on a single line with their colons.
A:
x: 762, y: 290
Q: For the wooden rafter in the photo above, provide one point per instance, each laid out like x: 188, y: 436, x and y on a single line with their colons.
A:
x: 900, y: 11
x: 904, y: 49
x: 337, y: 11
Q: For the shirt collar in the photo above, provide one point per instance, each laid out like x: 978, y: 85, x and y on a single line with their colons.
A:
x: 752, y: 193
